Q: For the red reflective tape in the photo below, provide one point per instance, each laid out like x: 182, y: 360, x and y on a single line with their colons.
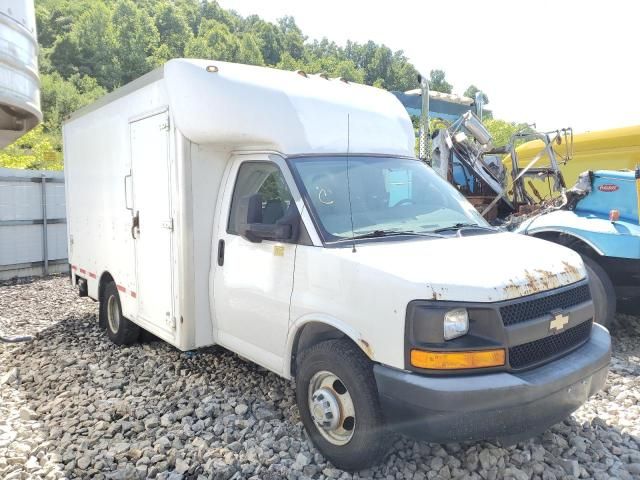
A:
x: 92, y: 275
x: 82, y: 270
x: 121, y: 288
x: 73, y: 267
x: 134, y: 294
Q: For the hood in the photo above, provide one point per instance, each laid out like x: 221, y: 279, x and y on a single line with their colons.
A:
x: 482, y: 268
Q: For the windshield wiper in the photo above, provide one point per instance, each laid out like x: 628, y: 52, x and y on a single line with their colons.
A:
x: 460, y: 226
x: 391, y: 233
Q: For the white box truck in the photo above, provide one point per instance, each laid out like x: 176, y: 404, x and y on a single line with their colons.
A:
x: 285, y: 217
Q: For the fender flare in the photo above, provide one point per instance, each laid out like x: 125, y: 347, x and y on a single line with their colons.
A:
x: 532, y: 232
x: 320, y: 318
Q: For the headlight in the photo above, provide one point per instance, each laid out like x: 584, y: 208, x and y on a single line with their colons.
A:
x: 456, y: 323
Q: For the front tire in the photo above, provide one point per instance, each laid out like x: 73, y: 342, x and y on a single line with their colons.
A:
x: 602, y: 292
x: 339, y: 406
x: 120, y: 330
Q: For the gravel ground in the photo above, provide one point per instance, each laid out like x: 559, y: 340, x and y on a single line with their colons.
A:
x: 74, y: 405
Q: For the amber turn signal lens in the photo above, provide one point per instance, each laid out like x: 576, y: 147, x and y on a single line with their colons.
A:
x: 614, y: 215
x: 457, y: 360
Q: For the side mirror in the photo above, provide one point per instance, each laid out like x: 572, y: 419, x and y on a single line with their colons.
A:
x: 248, y: 218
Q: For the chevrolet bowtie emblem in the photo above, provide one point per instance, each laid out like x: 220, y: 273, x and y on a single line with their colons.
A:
x: 558, y: 322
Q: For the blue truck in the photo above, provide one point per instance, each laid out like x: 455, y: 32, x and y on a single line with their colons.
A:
x: 601, y: 221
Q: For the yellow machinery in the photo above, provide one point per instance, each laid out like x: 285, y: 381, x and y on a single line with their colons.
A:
x: 614, y: 149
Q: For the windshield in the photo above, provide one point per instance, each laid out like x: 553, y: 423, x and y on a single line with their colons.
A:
x: 386, y: 195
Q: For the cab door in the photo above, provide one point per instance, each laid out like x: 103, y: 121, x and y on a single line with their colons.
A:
x: 253, y: 281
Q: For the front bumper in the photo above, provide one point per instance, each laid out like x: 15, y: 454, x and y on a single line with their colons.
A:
x: 505, y: 406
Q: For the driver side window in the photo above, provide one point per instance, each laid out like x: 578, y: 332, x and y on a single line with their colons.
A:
x: 265, y: 179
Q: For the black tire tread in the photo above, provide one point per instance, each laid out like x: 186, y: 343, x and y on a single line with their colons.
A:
x: 102, y: 312
x: 371, y: 447
x: 609, y: 311
x: 129, y: 332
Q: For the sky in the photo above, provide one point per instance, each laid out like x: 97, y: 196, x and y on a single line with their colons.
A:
x: 562, y: 63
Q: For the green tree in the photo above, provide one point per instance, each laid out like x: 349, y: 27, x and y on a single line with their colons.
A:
x: 89, y: 48
x: 287, y: 62
x: 190, y: 9
x: 323, y: 48
x: 471, y: 93
x: 292, y: 38
x: 380, y: 66
x: 136, y: 38
x: 173, y: 30
x: 214, y: 41
x: 438, y: 82
x: 161, y: 55
x: 60, y: 97
x: 501, y: 130
x: 210, y: 10
x: 404, y: 75
x: 270, y: 39
x: 36, y: 150
x: 347, y: 69
x: 55, y: 18
x: 249, y: 50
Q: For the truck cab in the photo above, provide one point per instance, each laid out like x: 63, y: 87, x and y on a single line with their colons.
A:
x: 285, y: 217
x: 603, y: 225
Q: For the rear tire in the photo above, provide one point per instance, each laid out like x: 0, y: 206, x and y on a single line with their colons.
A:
x: 120, y: 330
x: 335, y: 377
x: 602, y: 292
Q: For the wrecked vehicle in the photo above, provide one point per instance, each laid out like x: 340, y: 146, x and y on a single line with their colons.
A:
x: 285, y: 217
x: 598, y: 217
x: 610, y: 149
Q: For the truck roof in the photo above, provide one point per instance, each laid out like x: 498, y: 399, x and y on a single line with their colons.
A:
x: 618, y: 174
x: 245, y: 106
x: 599, y: 140
x: 612, y: 149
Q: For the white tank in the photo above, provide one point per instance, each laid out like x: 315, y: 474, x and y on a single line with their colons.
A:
x: 19, y: 81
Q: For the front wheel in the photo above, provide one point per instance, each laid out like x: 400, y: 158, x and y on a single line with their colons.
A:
x: 338, y: 401
x: 602, y: 292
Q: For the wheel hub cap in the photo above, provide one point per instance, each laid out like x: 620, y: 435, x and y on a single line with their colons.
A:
x: 325, y: 409
x: 113, y: 314
x: 332, y: 408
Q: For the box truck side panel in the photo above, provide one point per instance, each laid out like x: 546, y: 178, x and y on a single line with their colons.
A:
x: 101, y: 185
x: 97, y: 159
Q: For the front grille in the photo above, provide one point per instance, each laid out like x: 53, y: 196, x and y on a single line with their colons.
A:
x: 547, y: 348
x: 530, y: 309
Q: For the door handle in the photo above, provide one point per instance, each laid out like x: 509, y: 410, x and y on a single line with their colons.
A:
x: 220, y: 252
x: 135, y: 224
